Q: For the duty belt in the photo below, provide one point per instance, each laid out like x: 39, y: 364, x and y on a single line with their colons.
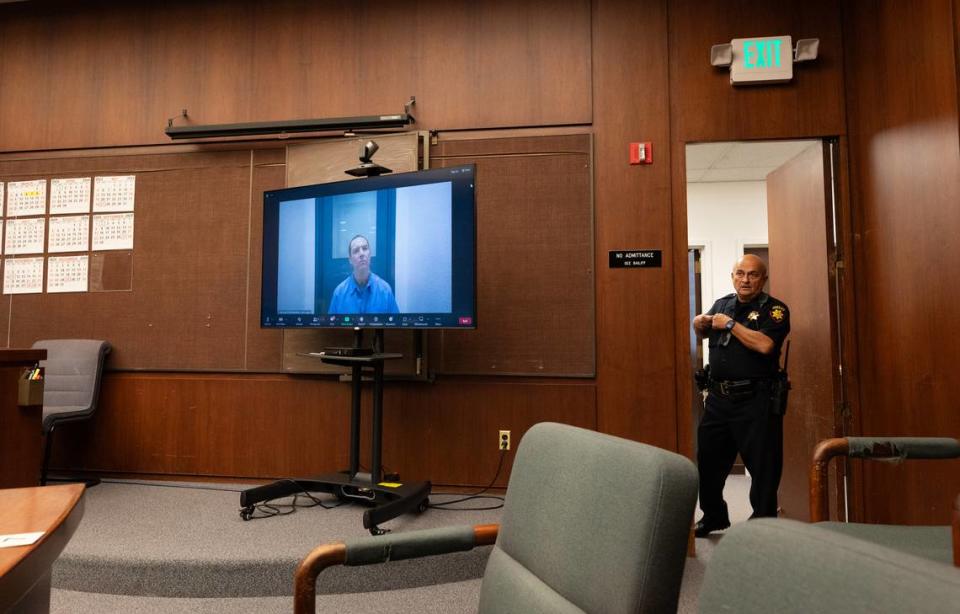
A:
x: 733, y: 389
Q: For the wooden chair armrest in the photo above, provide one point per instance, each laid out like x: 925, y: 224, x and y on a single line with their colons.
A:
x: 822, y: 453
x: 336, y: 553
x: 877, y: 448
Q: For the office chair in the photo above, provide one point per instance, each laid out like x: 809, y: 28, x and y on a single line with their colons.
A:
x: 592, y: 523
x: 72, y: 373
x: 933, y: 542
x: 789, y: 567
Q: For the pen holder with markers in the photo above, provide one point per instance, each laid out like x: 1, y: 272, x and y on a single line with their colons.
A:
x: 30, y: 390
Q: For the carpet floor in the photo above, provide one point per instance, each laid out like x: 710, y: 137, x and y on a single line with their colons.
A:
x: 188, y: 540
x: 151, y: 547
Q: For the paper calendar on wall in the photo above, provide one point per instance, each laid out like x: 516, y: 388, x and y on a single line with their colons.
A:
x: 24, y: 236
x: 23, y: 229
x: 70, y: 195
x: 67, y: 273
x: 22, y: 275
x: 114, y: 193
x: 113, y: 231
x: 26, y: 198
x: 69, y: 234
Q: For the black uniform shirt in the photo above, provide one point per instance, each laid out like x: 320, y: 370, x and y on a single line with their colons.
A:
x: 735, y: 361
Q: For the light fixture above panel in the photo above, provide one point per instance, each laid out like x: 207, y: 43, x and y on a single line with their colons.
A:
x: 349, y: 124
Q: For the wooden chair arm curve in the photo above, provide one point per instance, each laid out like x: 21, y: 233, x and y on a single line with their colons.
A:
x: 328, y: 555
x: 305, y: 579
x: 894, y: 449
x: 822, y: 453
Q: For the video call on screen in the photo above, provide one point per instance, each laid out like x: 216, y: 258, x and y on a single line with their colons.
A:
x: 391, y: 251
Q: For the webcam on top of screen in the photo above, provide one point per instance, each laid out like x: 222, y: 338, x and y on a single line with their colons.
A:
x: 368, y: 168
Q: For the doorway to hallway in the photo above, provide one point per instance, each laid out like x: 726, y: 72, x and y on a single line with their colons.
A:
x: 775, y: 199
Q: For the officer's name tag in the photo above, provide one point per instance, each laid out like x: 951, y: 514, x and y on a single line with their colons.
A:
x: 636, y: 259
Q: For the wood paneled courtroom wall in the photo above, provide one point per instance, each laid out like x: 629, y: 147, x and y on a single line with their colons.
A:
x: 182, y: 299
x: 111, y: 73
x: 107, y: 74
x: 905, y: 167
x: 195, y: 297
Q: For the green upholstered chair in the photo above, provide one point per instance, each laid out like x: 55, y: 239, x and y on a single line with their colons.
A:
x: 591, y: 523
x: 933, y: 542
x: 777, y: 565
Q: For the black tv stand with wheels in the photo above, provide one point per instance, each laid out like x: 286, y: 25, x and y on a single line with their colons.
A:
x: 387, y: 499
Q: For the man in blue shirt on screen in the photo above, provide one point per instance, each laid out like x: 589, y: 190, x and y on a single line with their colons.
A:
x: 363, y: 291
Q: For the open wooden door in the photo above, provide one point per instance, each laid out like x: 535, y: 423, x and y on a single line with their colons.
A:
x: 800, y: 230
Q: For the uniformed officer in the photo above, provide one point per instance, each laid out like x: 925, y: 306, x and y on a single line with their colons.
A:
x: 746, y: 330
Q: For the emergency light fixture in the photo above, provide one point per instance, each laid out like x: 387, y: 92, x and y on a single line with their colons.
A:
x: 763, y: 60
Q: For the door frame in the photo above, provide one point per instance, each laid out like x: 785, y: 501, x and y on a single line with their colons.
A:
x: 846, y: 486
x: 843, y: 290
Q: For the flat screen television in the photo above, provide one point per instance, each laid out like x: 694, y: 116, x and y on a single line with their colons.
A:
x: 394, y: 251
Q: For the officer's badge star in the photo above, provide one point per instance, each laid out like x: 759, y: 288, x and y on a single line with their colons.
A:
x: 778, y: 313
x: 754, y: 316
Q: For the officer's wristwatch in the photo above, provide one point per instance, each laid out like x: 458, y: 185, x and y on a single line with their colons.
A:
x: 730, y: 324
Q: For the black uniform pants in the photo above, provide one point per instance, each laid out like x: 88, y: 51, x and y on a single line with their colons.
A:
x: 752, y: 429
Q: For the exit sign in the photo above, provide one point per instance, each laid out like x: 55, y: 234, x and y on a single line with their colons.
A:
x: 761, y: 60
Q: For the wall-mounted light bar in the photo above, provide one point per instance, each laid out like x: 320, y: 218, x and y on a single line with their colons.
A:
x: 363, y: 122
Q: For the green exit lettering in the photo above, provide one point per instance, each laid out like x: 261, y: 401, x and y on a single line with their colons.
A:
x: 761, y: 54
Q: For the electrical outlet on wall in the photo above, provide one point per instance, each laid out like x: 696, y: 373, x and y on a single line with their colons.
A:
x: 503, y: 441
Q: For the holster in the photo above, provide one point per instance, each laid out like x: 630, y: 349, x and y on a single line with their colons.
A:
x: 702, y: 378
x: 779, y: 392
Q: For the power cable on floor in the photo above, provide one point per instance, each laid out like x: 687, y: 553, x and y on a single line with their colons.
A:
x: 477, y: 495
x: 270, y: 508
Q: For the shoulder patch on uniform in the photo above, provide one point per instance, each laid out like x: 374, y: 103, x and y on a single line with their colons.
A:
x: 778, y: 313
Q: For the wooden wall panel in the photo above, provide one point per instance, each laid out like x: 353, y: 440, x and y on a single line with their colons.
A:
x: 5, y: 301
x: 220, y: 425
x: 535, y: 282
x: 266, y: 426
x: 189, y: 265
x: 635, y: 365
x: 903, y: 118
x: 263, y: 346
x: 111, y: 73
x: 447, y: 431
x: 705, y: 107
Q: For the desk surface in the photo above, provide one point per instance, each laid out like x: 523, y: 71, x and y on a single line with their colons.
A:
x: 18, y: 356
x: 55, y: 510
